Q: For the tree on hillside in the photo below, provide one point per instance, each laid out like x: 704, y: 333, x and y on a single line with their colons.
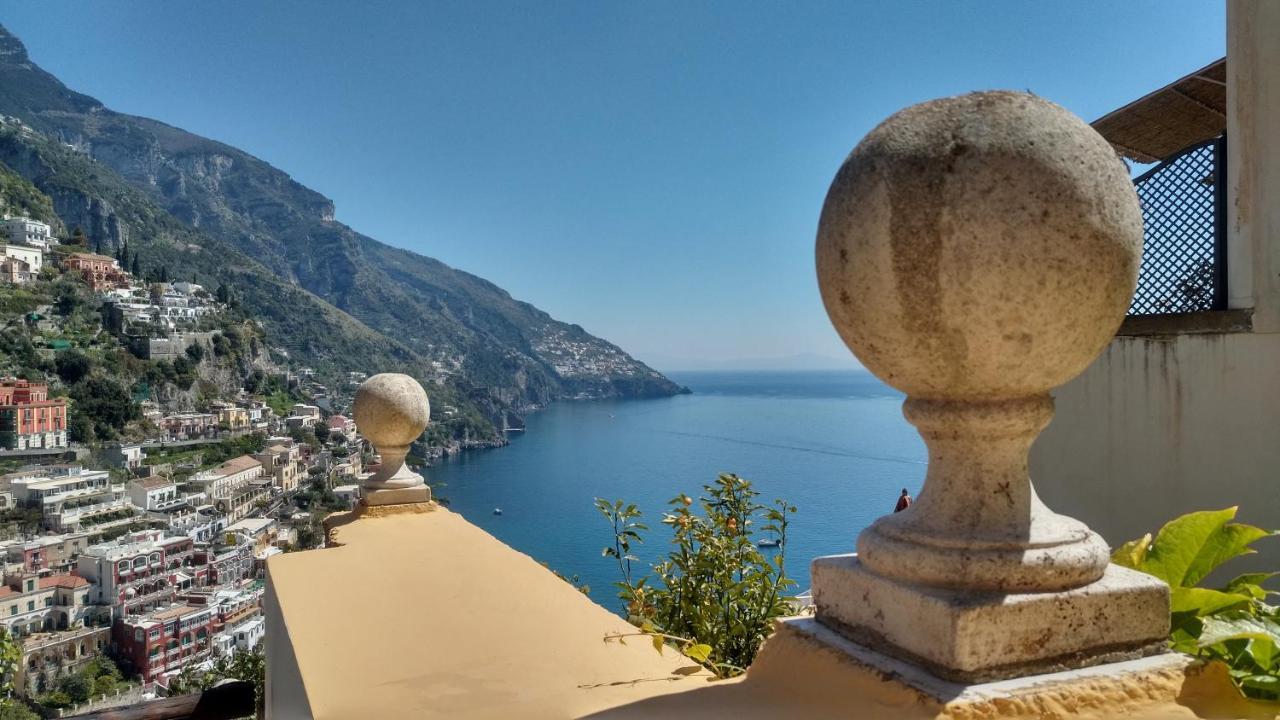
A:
x: 105, y: 403
x: 72, y: 366
x: 137, y: 267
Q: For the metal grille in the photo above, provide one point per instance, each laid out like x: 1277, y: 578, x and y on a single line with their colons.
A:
x: 1183, y: 258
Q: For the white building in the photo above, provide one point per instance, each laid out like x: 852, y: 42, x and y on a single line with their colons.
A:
x: 25, y: 231
x: 73, y: 498
x: 350, y: 494
x: 125, y: 457
x: 29, y: 255
x: 154, y: 493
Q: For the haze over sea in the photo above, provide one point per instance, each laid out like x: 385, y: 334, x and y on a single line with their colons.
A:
x: 832, y: 443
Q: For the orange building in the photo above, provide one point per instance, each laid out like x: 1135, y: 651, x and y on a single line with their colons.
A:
x: 28, y: 418
x: 99, y: 271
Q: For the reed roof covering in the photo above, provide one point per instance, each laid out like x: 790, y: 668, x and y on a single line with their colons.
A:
x: 1162, y: 123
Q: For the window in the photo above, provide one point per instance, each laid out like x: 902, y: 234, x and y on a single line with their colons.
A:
x: 31, y: 605
x: 13, y: 609
x: 48, y: 602
x: 137, y: 635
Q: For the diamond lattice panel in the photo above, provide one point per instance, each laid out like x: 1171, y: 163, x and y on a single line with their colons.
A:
x: 1178, y: 255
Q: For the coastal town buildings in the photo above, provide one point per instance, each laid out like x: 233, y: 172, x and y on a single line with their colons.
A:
x: 29, y: 418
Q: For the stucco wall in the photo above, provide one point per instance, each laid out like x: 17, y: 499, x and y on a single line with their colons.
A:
x: 1159, y: 427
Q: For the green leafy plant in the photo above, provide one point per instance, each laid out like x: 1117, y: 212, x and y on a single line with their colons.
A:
x: 716, y: 595
x: 1234, y: 623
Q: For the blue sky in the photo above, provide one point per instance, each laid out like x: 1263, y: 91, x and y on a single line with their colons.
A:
x: 652, y: 171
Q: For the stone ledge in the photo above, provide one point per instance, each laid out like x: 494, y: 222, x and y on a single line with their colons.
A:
x: 1197, y: 323
x: 969, y: 636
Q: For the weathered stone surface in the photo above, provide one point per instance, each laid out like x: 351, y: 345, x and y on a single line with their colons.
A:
x: 975, y: 636
x: 392, y: 410
x: 979, y: 246
x: 975, y: 252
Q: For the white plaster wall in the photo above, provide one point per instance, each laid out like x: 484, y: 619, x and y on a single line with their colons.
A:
x: 1159, y: 427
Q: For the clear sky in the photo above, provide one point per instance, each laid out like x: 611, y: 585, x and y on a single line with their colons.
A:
x: 650, y: 170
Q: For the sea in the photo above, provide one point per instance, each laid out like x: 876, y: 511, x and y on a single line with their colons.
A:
x: 832, y: 443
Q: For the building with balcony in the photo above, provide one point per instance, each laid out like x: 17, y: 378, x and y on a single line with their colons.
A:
x: 153, y: 492
x: 187, y: 426
x: 73, y: 499
x: 98, y: 271
x: 25, y: 231
x: 234, y: 486
x: 47, y: 553
x: 29, y: 418
x: 125, y: 456
x: 230, y: 416
x: 130, y: 575
x: 49, y: 656
x: 282, y: 461
x: 31, y: 604
x: 157, y: 644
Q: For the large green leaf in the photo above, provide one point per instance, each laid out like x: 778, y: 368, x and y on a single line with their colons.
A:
x: 1238, y: 627
x: 1250, y: 584
x: 1190, y: 547
x: 1203, y: 601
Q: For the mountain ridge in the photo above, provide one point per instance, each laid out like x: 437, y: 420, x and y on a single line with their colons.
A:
x: 458, y: 329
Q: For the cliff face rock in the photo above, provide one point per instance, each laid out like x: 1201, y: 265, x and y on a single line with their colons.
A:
x: 460, y: 331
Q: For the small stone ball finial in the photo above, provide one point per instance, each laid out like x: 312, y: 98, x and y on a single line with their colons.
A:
x: 985, y: 245
x: 391, y: 409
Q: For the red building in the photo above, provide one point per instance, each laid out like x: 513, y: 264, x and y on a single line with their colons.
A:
x: 165, y: 640
x: 99, y: 271
x: 29, y: 418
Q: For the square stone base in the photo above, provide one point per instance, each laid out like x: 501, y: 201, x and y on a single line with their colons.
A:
x: 397, y: 496
x: 967, y: 636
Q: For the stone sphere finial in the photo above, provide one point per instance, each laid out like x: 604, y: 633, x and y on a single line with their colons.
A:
x: 975, y: 252
x: 985, y: 245
x: 392, y: 410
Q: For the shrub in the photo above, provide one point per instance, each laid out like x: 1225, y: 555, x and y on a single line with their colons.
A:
x: 1231, y: 624
x: 715, y: 595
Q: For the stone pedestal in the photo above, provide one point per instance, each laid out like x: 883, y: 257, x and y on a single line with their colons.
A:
x: 976, y: 252
x: 978, y: 636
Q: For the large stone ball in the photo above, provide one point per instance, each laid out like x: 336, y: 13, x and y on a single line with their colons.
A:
x: 391, y: 409
x: 982, y: 245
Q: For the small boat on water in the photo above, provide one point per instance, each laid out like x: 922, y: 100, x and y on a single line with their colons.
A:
x: 768, y: 542
x: 497, y: 511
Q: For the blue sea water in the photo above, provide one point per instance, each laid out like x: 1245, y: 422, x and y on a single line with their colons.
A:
x: 834, y: 444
